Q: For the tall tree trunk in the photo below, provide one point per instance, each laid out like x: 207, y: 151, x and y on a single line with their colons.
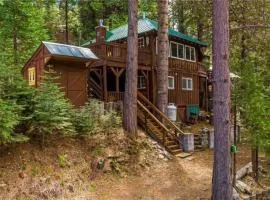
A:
x: 222, y: 183
x: 163, y: 52
x: 255, y: 162
x: 130, y: 98
x: 15, y: 44
x: 66, y: 18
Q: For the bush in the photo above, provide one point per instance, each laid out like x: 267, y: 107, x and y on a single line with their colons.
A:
x: 51, y: 110
x: 15, y: 106
x: 92, y: 118
x: 9, y: 118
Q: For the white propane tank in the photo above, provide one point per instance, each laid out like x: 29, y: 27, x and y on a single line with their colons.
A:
x: 172, y: 112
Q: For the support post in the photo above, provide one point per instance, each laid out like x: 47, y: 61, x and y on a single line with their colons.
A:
x: 105, y: 95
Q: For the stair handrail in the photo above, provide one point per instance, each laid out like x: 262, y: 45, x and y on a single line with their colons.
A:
x: 152, y: 116
x: 94, y: 83
x: 140, y: 95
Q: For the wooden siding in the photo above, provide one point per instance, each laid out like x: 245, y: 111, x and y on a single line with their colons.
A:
x: 72, y: 74
x: 114, y: 55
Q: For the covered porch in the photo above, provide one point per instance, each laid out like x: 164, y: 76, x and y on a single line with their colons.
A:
x: 107, y: 83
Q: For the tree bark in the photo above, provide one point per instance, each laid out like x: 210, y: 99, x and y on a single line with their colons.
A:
x: 66, y: 18
x: 222, y: 183
x: 255, y: 162
x: 130, y: 98
x: 163, y: 52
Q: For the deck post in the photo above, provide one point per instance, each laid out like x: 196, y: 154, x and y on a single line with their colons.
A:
x: 105, y: 96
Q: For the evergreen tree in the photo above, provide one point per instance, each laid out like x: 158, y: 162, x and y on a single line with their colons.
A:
x: 22, y: 28
x: 51, y: 110
x: 9, y: 118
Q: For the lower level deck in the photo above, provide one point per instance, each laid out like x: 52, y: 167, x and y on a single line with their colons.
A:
x: 185, y: 89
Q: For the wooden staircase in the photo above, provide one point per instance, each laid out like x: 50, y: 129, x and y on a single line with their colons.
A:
x: 95, y: 89
x: 158, y: 125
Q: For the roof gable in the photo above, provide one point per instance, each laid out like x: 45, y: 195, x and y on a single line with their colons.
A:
x: 146, y: 25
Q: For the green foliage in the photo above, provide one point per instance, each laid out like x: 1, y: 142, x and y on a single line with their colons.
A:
x: 250, y: 59
x: 62, y: 159
x: 92, y: 118
x: 22, y: 29
x: 114, y: 13
x: 51, y: 110
x: 9, y: 118
x: 15, y: 96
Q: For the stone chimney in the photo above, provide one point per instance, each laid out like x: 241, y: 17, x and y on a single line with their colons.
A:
x: 100, y: 32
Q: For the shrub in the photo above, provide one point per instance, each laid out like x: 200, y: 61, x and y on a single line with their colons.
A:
x: 15, y: 98
x: 9, y: 118
x: 92, y: 118
x: 51, y: 110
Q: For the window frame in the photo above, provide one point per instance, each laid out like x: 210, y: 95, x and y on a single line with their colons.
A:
x: 31, y: 76
x: 139, y: 38
x: 171, y: 88
x: 184, y: 51
x: 193, y: 48
x: 140, y: 86
x: 187, y: 79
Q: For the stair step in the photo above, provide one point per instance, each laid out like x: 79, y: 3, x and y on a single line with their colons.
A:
x: 176, y: 151
x: 173, y: 147
x: 168, y: 143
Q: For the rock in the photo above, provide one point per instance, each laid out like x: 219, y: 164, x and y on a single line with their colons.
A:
x: 70, y: 188
x: 22, y: 175
x: 190, y: 158
x: 235, y: 194
x: 161, y: 156
x: 244, y: 188
x: 107, y: 166
x: 183, y: 155
x: 2, y: 185
x: 247, y: 169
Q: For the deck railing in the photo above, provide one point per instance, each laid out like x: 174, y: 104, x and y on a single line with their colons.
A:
x: 117, y: 52
x: 115, y: 96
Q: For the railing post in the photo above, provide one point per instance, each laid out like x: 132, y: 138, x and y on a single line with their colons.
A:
x: 145, y: 122
x: 164, y: 138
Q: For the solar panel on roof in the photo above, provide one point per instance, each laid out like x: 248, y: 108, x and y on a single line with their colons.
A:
x: 69, y: 50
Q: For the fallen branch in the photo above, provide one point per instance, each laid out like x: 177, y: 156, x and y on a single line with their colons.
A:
x: 247, y: 169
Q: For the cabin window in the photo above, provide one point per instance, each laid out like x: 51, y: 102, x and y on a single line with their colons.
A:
x: 31, y: 76
x: 181, y: 52
x: 187, y: 84
x: 170, y: 82
x: 174, y: 50
x: 141, y: 42
x: 190, y: 53
x: 141, y: 82
x: 177, y: 50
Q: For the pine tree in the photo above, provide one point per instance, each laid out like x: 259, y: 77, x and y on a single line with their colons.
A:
x: 22, y: 30
x: 51, y: 110
x: 163, y: 52
x: 130, y: 99
x: 222, y: 184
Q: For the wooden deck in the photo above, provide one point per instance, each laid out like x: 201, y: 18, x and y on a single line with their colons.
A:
x: 114, y: 54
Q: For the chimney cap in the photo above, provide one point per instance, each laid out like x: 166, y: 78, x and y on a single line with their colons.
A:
x: 101, y: 22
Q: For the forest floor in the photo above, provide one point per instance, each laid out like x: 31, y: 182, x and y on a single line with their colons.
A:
x: 65, y: 169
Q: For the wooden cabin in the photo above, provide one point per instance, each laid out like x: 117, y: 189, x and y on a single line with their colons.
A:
x: 71, y: 64
x: 187, y: 80
x: 98, y: 70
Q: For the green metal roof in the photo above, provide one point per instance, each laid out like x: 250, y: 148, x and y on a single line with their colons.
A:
x: 146, y: 25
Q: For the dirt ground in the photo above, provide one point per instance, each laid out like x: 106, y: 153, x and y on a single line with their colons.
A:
x: 62, y: 170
